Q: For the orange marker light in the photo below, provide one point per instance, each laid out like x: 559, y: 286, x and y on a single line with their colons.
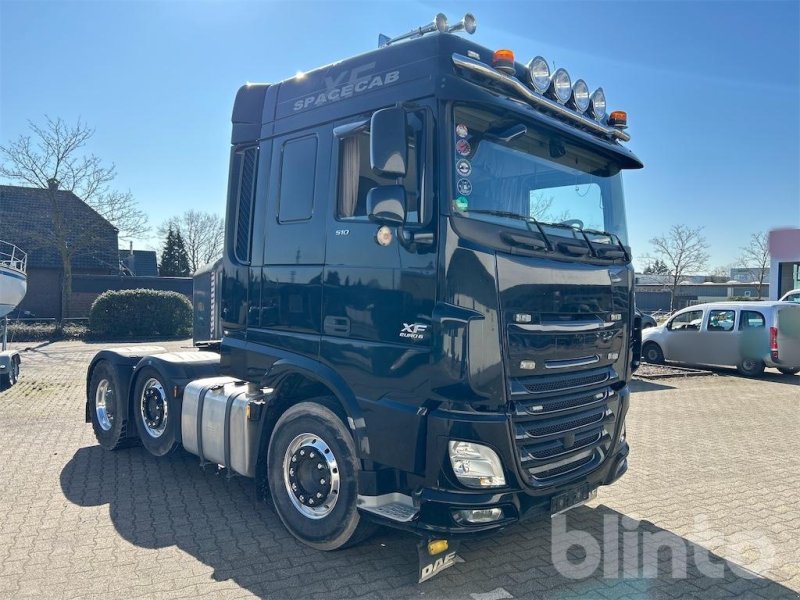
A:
x: 618, y: 119
x: 503, y: 60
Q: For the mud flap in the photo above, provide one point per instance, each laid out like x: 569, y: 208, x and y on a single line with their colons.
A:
x: 431, y: 564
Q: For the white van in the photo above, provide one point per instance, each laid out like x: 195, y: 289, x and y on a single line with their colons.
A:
x: 791, y: 296
x: 747, y: 335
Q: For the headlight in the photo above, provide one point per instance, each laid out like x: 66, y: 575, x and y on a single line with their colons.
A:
x: 597, y: 104
x: 580, y: 96
x: 561, y: 86
x: 475, y: 465
x: 539, y: 74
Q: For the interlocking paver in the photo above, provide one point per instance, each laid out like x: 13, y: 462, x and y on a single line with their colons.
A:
x: 714, y: 462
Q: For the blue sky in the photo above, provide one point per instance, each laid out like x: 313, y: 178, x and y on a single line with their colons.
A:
x: 712, y: 89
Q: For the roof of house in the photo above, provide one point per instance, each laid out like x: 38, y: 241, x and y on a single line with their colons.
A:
x: 27, y: 220
x: 140, y: 263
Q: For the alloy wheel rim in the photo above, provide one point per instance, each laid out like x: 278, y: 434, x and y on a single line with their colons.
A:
x: 311, y: 476
x: 153, y: 408
x: 103, y: 403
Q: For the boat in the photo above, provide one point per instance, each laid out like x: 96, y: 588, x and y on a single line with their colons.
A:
x: 13, y: 277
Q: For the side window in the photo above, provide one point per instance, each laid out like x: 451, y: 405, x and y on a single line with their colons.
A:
x: 752, y: 319
x: 298, y: 166
x: 356, y: 177
x: 721, y: 320
x: 688, y: 321
x: 243, y: 180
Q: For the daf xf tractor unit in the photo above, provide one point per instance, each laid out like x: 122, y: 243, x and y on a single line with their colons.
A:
x: 424, y: 317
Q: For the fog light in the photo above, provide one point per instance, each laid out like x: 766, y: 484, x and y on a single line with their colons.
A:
x: 522, y: 318
x: 481, y: 515
x: 613, y: 355
x: 437, y: 547
x: 476, y: 465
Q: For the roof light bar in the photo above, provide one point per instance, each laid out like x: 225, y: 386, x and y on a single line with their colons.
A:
x: 539, y: 101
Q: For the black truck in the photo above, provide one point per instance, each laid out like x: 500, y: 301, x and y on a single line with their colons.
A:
x: 425, y: 313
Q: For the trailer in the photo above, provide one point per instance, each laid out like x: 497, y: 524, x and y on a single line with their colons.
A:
x: 424, y: 313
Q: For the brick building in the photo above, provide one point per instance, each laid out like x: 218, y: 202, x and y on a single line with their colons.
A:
x: 26, y: 220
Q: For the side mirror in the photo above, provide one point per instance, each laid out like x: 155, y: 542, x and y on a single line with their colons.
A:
x: 387, y: 204
x: 388, y: 145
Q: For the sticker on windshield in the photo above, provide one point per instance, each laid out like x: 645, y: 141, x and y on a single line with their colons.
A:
x: 464, y: 187
x: 461, y: 130
x: 463, y: 167
x: 463, y: 147
x: 462, y: 203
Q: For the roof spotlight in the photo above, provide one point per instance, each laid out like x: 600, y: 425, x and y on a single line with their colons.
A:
x: 561, y: 86
x: 468, y: 23
x: 580, y: 96
x: 539, y: 74
x: 597, y: 104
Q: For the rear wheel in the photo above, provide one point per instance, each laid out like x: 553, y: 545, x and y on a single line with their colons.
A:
x: 789, y: 371
x: 156, y: 413
x: 108, y: 407
x: 652, y: 353
x: 750, y: 367
x: 312, y: 472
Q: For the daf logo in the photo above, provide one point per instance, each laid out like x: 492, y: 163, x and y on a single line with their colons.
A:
x: 414, y: 331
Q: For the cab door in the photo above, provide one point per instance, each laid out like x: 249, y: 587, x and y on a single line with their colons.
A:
x: 378, y: 299
x: 289, y: 308
x: 683, y: 337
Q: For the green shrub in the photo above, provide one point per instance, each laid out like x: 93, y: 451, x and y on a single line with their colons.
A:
x: 140, y: 313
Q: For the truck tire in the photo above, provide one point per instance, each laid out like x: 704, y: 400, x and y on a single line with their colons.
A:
x: 750, y: 367
x: 108, y: 408
x: 156, y: 413
x: 788, y: 371
x: 312, y: 473
x: 652, y: 353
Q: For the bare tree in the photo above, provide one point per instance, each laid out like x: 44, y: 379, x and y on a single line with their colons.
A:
x: 755, y: 256
x: 684, y: 251
x: 52, y: 157
x: 203, y: 235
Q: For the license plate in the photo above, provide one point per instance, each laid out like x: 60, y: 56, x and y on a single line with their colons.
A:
x: 570, y: 499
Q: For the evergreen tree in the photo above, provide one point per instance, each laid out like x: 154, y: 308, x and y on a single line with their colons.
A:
x: 174, y: 259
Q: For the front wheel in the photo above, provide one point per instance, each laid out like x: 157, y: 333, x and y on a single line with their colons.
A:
x: 312, y: 472
x: 156, y: 413
x: 750, y: 367
x: 653, y: 354
x: 789, y: 371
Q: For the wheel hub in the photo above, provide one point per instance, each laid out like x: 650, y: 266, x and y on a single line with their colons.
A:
x: 311, y: 476
x: 154, y: 408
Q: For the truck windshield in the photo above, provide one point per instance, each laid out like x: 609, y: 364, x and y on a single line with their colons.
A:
x: 508, y: 172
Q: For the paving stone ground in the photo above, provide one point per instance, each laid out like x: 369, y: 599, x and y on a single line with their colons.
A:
x: 714, y: 475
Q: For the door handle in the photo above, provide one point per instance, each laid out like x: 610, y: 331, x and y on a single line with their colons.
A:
x: 336, y: 325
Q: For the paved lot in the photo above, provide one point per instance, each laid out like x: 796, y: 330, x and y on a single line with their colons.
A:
x: 714, y: 467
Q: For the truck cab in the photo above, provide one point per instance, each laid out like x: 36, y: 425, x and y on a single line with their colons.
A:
x: 427, y: 288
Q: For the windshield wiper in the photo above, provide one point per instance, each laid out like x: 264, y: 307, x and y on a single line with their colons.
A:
x: 599, y: 252
x: 526, y: 219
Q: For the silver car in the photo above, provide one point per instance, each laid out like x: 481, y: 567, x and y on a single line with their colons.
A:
x: 747, y: 335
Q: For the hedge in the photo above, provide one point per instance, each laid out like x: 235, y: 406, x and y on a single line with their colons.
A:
x: 140, y: 313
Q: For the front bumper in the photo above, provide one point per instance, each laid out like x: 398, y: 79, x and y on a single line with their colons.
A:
x: 440, y: 495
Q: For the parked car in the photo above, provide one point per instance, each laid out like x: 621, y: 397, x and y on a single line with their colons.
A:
x: 747, y: 335
x: 791, y: 296
x: 648, y: 321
